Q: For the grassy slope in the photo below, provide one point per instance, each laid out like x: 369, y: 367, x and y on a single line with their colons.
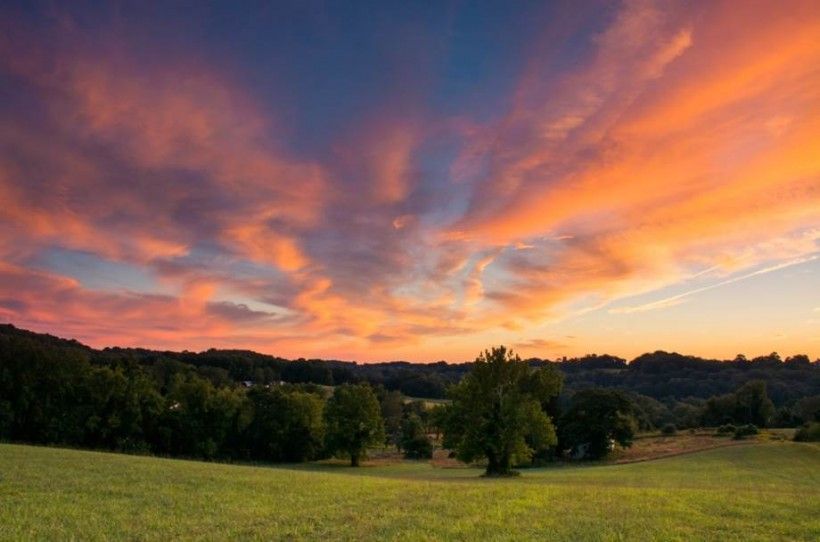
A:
x: 762, y: 491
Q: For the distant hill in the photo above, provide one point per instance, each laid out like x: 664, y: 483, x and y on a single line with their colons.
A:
x: 661, y: 375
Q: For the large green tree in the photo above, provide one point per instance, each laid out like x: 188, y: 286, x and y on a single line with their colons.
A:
x: 596, y: 419
x: 353, y: 421
x: 808, y: 409
x: 498, y: 411
x: 286, y: 424
x: 753, y: 403
x: 748, y: 404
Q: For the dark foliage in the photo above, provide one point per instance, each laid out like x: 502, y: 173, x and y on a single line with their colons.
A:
x: 669, y: 378
x: 499, y: 412
x: 285, y: 425
x: 726, y: 429
x: 353, y: 421
x: 744, y: 431
x: 414, y: 439
x: 59, y: 392
x: 807, y: 409
x: 673, y: 378
x: 808, y: 433
x: 595, y: 421
x: 237, y: 404
x: 749, y: 404
x: 393, y: 412
x: 669, y: 429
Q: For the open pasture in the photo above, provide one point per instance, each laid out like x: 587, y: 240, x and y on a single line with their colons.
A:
x: 767, y: 490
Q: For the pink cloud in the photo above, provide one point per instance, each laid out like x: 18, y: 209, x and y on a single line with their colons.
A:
x: 685, y: 137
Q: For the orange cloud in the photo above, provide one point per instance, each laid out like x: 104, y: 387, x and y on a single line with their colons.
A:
x: 189, y: 132
x: 659, y: 153
x: 684, y: 137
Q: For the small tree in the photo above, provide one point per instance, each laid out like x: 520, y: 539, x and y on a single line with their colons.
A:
x: 669, y: 429
x: 808, y: 433
x: 353, y: 421
x: 498, y: 412
x: 414, y: 440
x: 437, y: 419
x: 726, y: 429
x: 392, y: 410
x: 745, y: 431
x: 808, y: 409
x: 596, y: 419
x: 286, y: 424
x: 753, y: 403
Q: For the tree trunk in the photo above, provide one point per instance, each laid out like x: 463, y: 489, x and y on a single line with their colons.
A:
x: 498, y: 466
x: 492, y: 464
x: 354, y: 460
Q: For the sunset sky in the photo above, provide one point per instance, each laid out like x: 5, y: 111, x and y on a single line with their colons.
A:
x: 416, y: 181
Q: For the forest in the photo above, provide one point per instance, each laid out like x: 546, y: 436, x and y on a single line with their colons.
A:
x: 239, y: 405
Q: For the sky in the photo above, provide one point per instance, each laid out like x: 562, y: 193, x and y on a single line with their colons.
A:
x: 413, y: 181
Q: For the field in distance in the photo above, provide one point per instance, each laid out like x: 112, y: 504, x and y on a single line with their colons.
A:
x: 761, y: 491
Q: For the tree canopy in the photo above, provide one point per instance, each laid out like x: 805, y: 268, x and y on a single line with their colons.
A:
x: 286, y: 425
x: 353, y: 421
x: 596, y: 419
x: 498, y: 411
x: 749, y: 404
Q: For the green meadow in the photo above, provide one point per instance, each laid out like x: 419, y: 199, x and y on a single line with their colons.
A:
x: 760, y: 491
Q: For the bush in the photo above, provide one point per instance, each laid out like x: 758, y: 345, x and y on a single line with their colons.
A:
x: 808, y: 433
x: 669, y: 429
x: 726, y: 429
x: 414, y: 439
x: 419, y: 447
x: 745, y: 431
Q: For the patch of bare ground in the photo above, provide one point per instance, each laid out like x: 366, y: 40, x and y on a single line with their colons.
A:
x: 375, y: 458
x: 655, y: 446
x: 441, y: 459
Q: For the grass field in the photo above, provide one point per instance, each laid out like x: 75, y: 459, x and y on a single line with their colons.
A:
x: 751, y: 492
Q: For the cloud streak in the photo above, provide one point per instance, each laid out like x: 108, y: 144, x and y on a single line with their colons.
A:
x: 680, y: 298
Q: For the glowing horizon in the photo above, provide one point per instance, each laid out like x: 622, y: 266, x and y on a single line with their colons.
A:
x: 396, y: 182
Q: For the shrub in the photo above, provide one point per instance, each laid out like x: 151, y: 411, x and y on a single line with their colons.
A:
x: 419, y: 447
x: 669, y: 429
x: 726, y: 429
x: 808, y: 433
x: 745, y: 431
x: 414, y: 439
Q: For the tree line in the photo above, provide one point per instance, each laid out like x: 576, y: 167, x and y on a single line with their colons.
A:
x: 55, y: 395
x: 666, y: 377
x: 660, y: 375
x: 503, y: 411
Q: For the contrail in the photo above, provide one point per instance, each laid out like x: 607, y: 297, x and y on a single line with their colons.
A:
x: 676, y: 299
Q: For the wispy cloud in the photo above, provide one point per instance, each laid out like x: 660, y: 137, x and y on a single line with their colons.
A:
x: 542, y: 345
x: 393, y: 212
x: 680, y: 298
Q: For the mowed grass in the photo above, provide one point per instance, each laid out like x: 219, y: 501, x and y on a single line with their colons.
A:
x: 759, y: 491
